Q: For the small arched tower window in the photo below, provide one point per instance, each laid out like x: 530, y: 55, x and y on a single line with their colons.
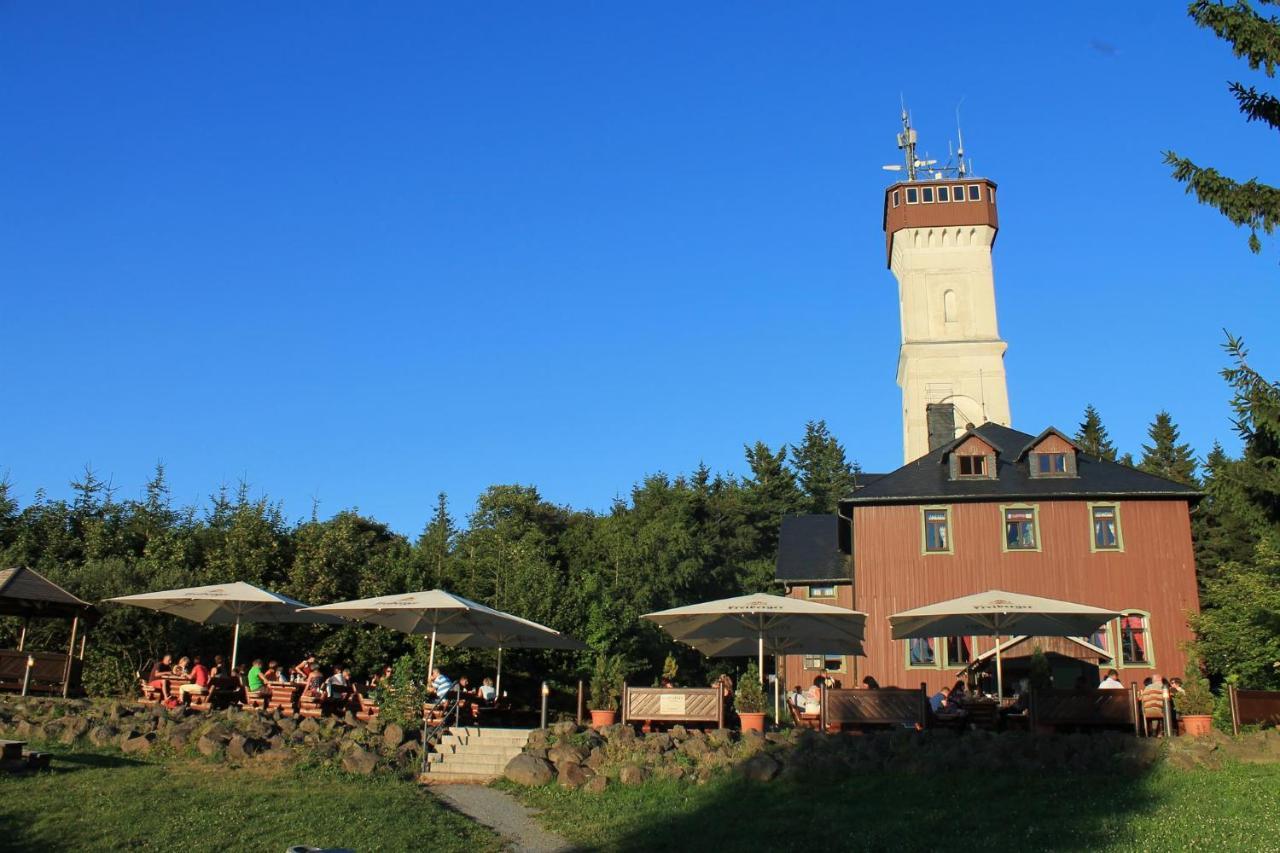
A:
x: 949, y: 306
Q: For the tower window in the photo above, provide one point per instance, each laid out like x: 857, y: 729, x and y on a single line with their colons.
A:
x: 912, y: 195
x: 949, y: 306
x: 926, y: 195
x: 973, y: 466
x: 975, y: 192
x: 944, y: 194
x: 895, y: 198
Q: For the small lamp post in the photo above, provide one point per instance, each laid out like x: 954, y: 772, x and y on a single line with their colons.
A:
x: 546, y: 694
x: 26, y: 674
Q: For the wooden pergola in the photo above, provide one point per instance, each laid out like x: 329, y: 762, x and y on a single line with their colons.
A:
x: 27, y: 594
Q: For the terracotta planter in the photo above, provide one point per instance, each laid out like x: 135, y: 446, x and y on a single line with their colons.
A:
x: 600, y: 719
x: 1195, y: 725
x: 752, y: 722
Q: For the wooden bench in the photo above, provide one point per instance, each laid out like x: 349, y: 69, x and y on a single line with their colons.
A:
x: 803, y: 720
x: 888, y: 706
x: 697, y: 706
x: 284, y: 697
x: 1253, y: 707
x: 46, y: 676
x: 364, y: 707
x: 1086, y: 708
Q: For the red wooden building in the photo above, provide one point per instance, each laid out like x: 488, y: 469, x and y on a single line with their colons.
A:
x: 1001, y: 509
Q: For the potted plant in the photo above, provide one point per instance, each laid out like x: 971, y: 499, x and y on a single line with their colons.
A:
x: 749, y: 701
x: 1195, y: 703
x: 606, y: 689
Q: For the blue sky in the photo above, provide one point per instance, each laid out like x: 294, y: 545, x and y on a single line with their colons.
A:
x: 368, y: 253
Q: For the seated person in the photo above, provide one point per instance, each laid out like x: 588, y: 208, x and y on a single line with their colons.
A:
x: 667, y: 683
x: 219, y: 669
x: 945, y: 705
x: 273, y: 673
x: 487, y: 692
x: 795, y: 697
x: 338, y: 685
x: 1111, y: 682
x: 315, y: 684
x: 1153, y: 699
x: 937, y: 700
x: 813, y: 696
x: 199, y: 683
x: 1021, y: 699
x: 958, y: 693
x: 180, y: 668
x: 869, y: 683
x: 255, y: 683
x: 381, y: 679
x: 302, y: 672
x: 441, y: 684
x: 156, y: 678
x: 464, y: 688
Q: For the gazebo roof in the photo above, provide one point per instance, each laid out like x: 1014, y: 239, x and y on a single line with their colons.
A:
x: 26, y: 592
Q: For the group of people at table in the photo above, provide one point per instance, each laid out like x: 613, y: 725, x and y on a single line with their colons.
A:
x: 179, y: 680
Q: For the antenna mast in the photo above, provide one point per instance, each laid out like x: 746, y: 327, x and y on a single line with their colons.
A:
x: 907, y: 143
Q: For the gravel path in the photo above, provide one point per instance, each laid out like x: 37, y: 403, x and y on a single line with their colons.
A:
x: 504, y: 814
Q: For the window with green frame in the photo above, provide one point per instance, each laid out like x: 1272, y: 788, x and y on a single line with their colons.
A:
x: 922, y: 653
x: 1020, y: 532
x: 1135, y: 639
x: 937, y: 530
x: 960, y: 651
x: 824, y: 663
x: 1106, y: 527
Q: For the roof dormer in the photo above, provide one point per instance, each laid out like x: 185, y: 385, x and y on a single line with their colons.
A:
x: 1050, y: 454
x: 972, y: 459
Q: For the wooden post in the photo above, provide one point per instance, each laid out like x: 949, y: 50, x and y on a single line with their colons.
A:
x: 622, y: 709
x: 22, y: 638
x: 66, y: 671
x: 1234, y: 701
x: 924, y: 705
x: 720, y: 705
x: 84, y: 635
x: 1135, y: 708
x: 582, y: 700
x: 822, y: 706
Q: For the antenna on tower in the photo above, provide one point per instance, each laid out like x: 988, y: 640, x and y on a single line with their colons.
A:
x: 960, y: 140
x: 906, y: 144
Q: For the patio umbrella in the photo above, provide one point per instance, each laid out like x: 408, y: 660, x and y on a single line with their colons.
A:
x: 452, y: 620
x: 729, y: 627
x: 997, y: 612
x: 226, y: 604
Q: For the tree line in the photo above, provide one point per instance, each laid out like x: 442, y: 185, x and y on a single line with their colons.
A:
x: 674, y: 540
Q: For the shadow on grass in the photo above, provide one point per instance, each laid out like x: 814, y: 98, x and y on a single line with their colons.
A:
x: 76, y: 761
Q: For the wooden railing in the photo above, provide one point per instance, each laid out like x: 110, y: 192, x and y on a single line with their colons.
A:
x: 1253, y: 707
x: 886, y: 706
x: 1087, y: 708
x: 700, y: 705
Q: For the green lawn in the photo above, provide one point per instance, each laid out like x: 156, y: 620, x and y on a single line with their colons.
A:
x: 1237, y: 808
x: 91, y: 800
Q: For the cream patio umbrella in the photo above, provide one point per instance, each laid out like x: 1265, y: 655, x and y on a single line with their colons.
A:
x: 453, y: 621
x: 996, y: 612
x: 731, y: 627
x: 227, y: 604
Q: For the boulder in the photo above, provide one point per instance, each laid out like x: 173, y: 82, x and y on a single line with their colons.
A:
x: 567, y: 752
x: 392, y: 735
x: 309, y: 726
x: 596, y: 759
x: 287, y: 725
x: 359, y: 761
x: 538, y: 738
x: 596, y: 784
x: 529, y: 771
x: 760, y: 767
x: 571, y: 775
x: 243, y: 748
x: 669, y: 771
x: 74, y: 728
x: 564, y: 728
x: 679, y: 732
x: 632, y: 774
x: 209, y: 745
x: 695, y: 747
x: 719, y: 737
x: 137, y: 745
x: 103, y: 735
x: 408, y: 750
x: 658, y: 742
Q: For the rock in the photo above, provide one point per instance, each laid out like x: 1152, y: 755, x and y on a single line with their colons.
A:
x: 529, y: 771
x: 537, y: 753
x: 103, y: 735
x: 566, y: 752
x: 538, y: 738
x: 632, y: 774
x: 695, y: 747
x: 669, y: 771
x: 359, y: 761
x: 564, y: 728
x: 309, y: 726
x: 719, y: 737
x: 596, y: 759
x: 658, y: 742
x: 73, y: 728
x: 596, y: 784
x: 137, y: 745
x: 760, y: 767
x: 276, y: 742
x: 392, y: 736
x: 408, y: 750
x: 287, y: 725
x: 679, y: 732
x: 243, y: 748
x: 281, y: 755
x: 209, y: 745
x: 571, y: 775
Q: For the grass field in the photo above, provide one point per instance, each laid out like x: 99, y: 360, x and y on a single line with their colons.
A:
x: 1237, y: 808
x: 92, y: 800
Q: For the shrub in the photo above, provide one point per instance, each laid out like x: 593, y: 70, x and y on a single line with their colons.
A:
x: 749, y: 697
x: 606, y: 682
x: 669, y: 668
x: 1041, y: 674
x: 1196, y: 697
x: 401, y: 701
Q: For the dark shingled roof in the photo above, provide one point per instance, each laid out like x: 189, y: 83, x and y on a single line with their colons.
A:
x: 26, y: 592
x: 929, y: 477
x: 809, y: 549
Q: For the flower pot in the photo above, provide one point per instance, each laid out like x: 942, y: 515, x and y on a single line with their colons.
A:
x: 752, y: 722
x: 600, y: 719
x: 1195, y: 725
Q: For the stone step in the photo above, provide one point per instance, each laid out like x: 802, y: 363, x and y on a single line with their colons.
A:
x: 456, y: 757
x: 484, y: 739
x: 479, y: 749
x: 470, y: 768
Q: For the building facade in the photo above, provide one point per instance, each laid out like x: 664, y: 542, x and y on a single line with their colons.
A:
x: 1001, y: 509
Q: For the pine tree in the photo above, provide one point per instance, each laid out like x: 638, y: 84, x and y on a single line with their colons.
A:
x: 1092, y: 436
x: 435, y: 545
x: 1256, y: 39
x: 1165, y: 456
x: 824, y: 473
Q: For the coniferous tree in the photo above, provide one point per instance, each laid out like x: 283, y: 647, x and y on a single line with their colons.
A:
x: 823, y: 472
x: 1092, y: 436
x: 1255, y: 38
x: 1166, y: 456
x: 434, y: 548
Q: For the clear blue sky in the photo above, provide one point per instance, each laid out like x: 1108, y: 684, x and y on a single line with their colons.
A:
x: 368, y: 253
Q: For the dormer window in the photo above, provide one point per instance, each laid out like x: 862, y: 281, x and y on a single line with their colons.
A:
x: 1051, y: 463
x: 972, y: 459
x: 1052, y: 454
x: 973, y: 466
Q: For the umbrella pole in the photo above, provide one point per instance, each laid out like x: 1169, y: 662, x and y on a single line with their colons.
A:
x: 761, y: 664
x: 235, y: 643
x: 999, y: 672
x: 498, y: 686
x: 431, y: 656
x: 777, y: 679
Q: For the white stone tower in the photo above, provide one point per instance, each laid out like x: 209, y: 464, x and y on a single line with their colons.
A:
x: 939, y: 228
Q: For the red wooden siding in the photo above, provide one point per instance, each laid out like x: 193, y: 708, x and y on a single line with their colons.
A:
x: 1155, y: 573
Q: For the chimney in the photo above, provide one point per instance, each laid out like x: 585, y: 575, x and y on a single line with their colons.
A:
x: 941, y: 421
